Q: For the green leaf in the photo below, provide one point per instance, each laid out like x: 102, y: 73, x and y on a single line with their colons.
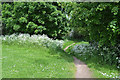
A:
x: 16, y: 27
x: 36, y: 31
x: 22, y: 20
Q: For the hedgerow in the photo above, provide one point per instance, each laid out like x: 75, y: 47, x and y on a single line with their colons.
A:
x: 34, y: 18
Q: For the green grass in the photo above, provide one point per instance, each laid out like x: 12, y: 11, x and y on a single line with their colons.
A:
x: 96, y: 68
x: 92, y: 63
x: 67, y: 43
x: 35, y: 62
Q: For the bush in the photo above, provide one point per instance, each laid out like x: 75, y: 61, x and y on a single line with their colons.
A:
x: 104, y: 55
x: 81, y: 33
x: 100, y: 19
x: 34, y: 18
x: 102, y: 22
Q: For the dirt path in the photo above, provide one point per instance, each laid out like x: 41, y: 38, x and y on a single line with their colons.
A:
x: 82, y: 70
x: 69, y: 46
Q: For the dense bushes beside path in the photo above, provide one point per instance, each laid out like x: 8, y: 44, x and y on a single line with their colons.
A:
x: 102, y: 21
x: 34, y: 18
x: 96, y: 58
x: 84, y: 49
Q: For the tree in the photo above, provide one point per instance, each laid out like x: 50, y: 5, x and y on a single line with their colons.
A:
x: 102, y: 20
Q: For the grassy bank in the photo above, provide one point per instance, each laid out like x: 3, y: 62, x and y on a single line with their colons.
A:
x: 35, y: 62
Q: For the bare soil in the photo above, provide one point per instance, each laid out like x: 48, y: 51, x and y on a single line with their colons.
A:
x: 82, y: 70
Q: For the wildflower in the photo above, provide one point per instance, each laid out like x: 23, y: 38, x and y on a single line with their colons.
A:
x: 43, y: 40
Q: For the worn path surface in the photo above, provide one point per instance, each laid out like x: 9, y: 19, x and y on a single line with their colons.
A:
x: 82, y: 70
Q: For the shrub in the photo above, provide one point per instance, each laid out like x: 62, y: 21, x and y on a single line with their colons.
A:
x: 81, y: 33
x: 104, y: 55
x: 34, y: 18
x: 100, y: 19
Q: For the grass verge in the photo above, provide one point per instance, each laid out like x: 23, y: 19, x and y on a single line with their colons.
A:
x: 35, y: 62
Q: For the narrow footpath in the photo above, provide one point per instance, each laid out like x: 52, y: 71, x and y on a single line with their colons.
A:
x: 82, y: 70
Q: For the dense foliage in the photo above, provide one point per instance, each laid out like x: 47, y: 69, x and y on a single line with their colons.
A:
x: 102, y: 21
x: 102, y: 55
x: 34, y: 18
